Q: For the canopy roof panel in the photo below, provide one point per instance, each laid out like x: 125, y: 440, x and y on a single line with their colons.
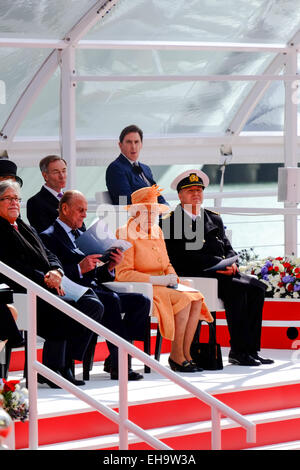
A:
x: 40, y: 19
x: 248, y: 21
x: 144, y: 62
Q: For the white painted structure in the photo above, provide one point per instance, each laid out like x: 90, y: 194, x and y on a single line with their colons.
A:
x: 234, y: 70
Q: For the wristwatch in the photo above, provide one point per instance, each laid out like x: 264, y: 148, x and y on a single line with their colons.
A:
x: 60, y: 271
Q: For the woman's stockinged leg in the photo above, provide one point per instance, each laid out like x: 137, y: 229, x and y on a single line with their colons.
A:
x: 191, y: 326
x: 181, y: 319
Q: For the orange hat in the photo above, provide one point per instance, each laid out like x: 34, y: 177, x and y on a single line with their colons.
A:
x: 147, y: 197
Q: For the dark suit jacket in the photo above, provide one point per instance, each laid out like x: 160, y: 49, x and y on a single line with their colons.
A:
x: 12, y: 254
x: 57, y: 241
x: 121, y: 180
x: 188, y: 261
x: 42, y: 210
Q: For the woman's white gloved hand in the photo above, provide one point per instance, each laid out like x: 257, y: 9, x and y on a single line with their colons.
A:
x: 167, y: 280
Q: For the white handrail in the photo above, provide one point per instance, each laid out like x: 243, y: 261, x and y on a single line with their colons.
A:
x: 125, y: 348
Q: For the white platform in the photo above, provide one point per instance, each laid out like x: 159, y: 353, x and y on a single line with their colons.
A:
x: 285, y: 371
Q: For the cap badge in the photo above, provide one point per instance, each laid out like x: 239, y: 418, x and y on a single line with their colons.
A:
x: 193, y: 177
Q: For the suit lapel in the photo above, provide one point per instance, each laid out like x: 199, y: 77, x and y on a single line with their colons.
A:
x: 49, y: 197
x: 63, y: 238
x: 135, y: 177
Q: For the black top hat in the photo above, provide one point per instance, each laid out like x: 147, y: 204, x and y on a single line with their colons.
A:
x: 9, y: 168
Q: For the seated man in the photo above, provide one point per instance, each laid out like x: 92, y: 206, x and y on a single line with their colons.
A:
x: 42, y: 208
x: 22, y: 249
x: 125, y: 174
x: 59, y: 238
x: 196, y: 240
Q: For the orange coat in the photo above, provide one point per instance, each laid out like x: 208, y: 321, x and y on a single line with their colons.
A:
x: 148, y: 257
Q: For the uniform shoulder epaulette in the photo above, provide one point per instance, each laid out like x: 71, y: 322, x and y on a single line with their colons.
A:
x: 213, y: 212
x: 167, y: 215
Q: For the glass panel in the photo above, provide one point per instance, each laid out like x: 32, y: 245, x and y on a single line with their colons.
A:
x: 160, y: 108
x: 152, y: 62
x: 18, y: 68
x: 268, y: 115
x: 269, y: 21
x: 43, y: 118
x: 41, y: 19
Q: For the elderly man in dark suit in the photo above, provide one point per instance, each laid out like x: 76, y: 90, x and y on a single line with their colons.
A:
x: 196, y: 240
x: 60, y: 239
x: 22, y: 249
x: 126, y: 174
x: 42, y: 208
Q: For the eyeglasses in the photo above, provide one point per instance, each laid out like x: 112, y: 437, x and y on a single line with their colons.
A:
x: 11, y: 199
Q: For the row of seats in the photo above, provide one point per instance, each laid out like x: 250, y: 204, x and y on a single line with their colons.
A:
x: 208, y: 287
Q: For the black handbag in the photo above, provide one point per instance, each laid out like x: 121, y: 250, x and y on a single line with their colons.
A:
x: 208, y: 356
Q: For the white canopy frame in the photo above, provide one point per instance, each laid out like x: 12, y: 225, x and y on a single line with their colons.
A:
x: 275, y: 146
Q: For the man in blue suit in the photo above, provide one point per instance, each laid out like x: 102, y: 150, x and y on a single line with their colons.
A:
x: 125, y: 174
x: 85, y: 270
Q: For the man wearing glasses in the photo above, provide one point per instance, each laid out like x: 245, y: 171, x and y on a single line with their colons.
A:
x: 42, y: 208
x: 23, y: 250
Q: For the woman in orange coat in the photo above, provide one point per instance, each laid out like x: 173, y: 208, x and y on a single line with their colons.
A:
x: 147, y: 260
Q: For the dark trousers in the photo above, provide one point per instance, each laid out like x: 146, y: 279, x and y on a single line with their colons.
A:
x: 243, y: 298
x: 8, y: 327
x: 66, y: 339
x: 136, y: 309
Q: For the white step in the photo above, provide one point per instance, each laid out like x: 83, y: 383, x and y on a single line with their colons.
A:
x: 112, y: 440
x: 293, y: 445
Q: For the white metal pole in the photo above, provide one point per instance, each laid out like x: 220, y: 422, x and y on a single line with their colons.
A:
x: 216, y: 429
x: 123, y: 398
x: 290, y: 149
x: 68, y: 114
x: 32, y: 374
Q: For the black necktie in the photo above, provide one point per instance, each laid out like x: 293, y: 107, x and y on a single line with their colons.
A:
x: 76, y: 233
x: 138, y: 170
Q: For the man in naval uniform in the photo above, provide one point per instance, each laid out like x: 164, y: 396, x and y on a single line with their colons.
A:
x: 196, y: 240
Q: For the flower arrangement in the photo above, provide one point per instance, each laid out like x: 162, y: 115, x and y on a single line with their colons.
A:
x: 14, y: 399
x: 281, y: 275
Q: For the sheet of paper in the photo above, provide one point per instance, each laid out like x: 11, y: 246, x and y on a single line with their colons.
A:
x: 73, y: 291
x: 221, y: 265
x: 99, y: 239
x: 184, y: 288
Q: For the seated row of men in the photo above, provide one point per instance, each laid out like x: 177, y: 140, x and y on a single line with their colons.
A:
x: 243, y: 296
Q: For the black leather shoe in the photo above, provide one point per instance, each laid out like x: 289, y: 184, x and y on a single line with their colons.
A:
x: 242, y: 359
x: 68, y: 375
x: 186, y: 366
x: 43, y: 380
x: 131, y: 375
x: 261, y: 359
x: 198, y: 368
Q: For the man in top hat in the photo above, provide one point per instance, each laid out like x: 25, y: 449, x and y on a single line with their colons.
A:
x: 8, y: 169
x: 42, y: 208
x: 126, y: 174
x: 196, y: 240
